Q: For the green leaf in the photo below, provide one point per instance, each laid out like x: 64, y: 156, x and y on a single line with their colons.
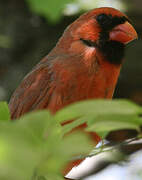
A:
x: 25, y: 142
x: 68, y: 127
x: 52, y: 10
x: 54, y: 176
x: 104, y: 124
x: 101, y: 116
x: 5, y: 41
x: 131, y: 119
x: 78, y: 143
x: 19, y: 154
x: 37, y: 144
x: 97, y: 107
x: 4, y: 112
x: 36, y: 123
x: 61, y: 152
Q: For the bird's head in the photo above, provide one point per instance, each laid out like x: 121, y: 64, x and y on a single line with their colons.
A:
x: 105, y: 29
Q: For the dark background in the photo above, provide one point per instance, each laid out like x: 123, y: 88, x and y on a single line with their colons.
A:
x: 26, y: 36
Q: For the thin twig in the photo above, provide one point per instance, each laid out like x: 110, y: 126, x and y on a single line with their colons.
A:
x: 102, y: 149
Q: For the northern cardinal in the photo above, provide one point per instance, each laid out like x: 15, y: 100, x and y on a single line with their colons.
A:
x: 85, y: 64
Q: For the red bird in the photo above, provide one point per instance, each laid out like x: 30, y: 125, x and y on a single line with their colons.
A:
x: 85, y: 64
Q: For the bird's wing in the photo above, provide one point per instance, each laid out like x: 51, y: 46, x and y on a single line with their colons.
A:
x: 53, y: 85
x: 35, y: 87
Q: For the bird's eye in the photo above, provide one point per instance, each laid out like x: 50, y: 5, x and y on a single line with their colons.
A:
x: 102, y: 17
x: 104, y: 20
x: 88, y: 42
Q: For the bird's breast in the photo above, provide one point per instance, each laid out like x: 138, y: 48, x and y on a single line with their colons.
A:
x: 80, y: 82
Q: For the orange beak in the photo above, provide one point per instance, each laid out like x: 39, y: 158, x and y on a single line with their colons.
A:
x: 123, y: 33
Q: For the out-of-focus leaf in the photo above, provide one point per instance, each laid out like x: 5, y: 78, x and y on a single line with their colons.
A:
x: 52, y: 9
x: 4, y: 112
x: 25, y: 143
x: 37, y: 144
x: 5, y: 41
x: 42, y: 144
x: 97, y: 107
x: 39, y: 123
x: 20, y: 153
x: 54, y: 176
x: 68, y: 127
x: 77, y: 144
x: 104, y: 124
x: 63, y: 151
x: 101, y: 116
x: 132, y: 119
x: 103, y: 129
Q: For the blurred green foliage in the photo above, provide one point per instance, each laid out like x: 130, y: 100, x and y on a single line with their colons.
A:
x: 5, y: 41
x: 102, y: 116
x: 35, y: 146
x: 52, y: 9
x: 4, y: 112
